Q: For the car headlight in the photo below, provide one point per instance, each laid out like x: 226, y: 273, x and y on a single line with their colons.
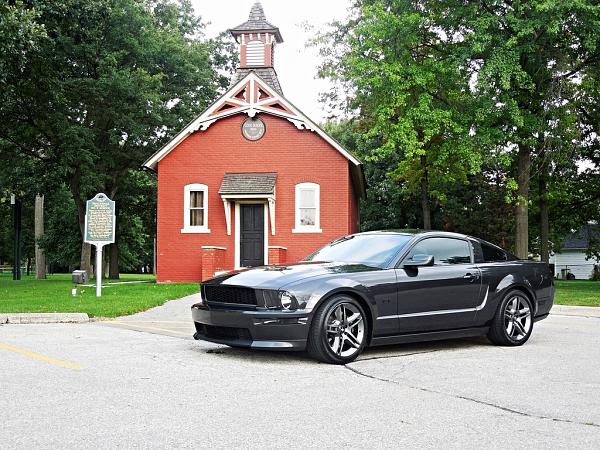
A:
x: 287, y: 300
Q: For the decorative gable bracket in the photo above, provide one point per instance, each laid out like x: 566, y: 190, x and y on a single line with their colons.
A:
x: 251, y: 96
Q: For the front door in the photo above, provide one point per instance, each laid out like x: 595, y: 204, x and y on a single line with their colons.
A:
x: 252, y: 235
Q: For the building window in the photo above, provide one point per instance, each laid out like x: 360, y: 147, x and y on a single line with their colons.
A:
x: 255, y: 53
x: 195, y: 209
x: 308, y: 215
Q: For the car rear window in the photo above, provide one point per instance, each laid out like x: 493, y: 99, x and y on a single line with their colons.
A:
x: 492, y: 253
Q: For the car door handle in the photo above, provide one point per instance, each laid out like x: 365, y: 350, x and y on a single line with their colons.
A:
x: 469, y: 276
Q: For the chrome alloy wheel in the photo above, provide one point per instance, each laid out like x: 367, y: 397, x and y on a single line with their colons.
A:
x: 345, y: 329
x: 517, y: 318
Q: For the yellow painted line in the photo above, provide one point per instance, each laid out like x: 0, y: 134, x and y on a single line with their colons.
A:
x: 140, y: 327
x: 40, y: 357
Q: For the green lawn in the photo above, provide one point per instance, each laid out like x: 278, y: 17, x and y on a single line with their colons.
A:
x: 54, y: 295
x: 577, y: 292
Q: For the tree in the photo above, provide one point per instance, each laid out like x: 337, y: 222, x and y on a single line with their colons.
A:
x: 528, y: 59
x: 111, y: 82
x: 409, y: 90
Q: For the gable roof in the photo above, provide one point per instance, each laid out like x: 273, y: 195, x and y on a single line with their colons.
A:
x: 580, y: 240
x: 252, y: 95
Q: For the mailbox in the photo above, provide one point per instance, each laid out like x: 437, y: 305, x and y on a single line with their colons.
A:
x: 79, y: 276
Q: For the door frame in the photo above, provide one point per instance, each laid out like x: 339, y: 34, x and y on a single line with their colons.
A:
x: 237, y: 230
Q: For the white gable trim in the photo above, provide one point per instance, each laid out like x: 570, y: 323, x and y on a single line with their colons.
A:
x: 251, y: 107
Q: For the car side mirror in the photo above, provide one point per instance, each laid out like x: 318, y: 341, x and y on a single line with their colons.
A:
x: 419, y: 261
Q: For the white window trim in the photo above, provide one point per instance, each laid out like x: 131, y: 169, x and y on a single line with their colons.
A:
x: 187, y: 228
x: 316, y: 228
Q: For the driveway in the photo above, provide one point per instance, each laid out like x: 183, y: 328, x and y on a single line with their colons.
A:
x: 142, y: 382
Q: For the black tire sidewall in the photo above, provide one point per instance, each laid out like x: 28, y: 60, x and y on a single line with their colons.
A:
x: 500, y: 320
x: 328, y: 307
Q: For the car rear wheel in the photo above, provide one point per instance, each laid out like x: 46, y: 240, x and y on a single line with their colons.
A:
x: 513, y: 323
x: 339, y: 331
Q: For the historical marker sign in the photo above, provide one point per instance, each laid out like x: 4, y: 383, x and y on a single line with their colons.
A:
x: 100, y: 221
x: 253, y: 129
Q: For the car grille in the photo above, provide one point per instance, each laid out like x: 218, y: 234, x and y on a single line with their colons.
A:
x: 229, y: 294
x: 229, y: 333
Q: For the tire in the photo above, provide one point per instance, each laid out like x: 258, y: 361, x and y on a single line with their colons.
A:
x: 513, y: 323
x: 339, y: 331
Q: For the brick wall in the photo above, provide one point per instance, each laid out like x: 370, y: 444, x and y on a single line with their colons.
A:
x: 296, y: 155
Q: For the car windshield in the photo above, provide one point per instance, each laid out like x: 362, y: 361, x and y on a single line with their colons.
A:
x: 369, y: 249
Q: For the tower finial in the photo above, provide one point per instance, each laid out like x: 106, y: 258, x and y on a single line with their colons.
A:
x: 257, y: 13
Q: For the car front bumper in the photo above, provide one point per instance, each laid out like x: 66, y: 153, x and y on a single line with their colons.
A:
x: 262, y: 329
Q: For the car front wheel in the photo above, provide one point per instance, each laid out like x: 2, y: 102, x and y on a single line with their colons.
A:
x: 339, y: 331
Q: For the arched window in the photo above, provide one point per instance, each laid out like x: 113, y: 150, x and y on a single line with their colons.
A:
x: 195, y: 209
x: 308, y: 206
x: 255, y: 53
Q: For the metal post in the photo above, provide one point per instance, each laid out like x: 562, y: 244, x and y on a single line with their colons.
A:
x: 99, y: 270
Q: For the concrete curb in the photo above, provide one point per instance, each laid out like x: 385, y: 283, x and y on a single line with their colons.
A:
x: 581, y: 311
x: 24, y: 318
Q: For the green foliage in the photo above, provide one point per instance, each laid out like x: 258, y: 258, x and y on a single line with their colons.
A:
x: 447, y: 93
x: 93, y: 89
x: 412, y: 96
x: 384, y: 193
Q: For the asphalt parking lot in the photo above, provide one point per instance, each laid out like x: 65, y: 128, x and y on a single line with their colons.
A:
x: 142, y: 382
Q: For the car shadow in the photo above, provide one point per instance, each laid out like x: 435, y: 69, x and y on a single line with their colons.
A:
x: 400, y: 350
x: 383, y: 352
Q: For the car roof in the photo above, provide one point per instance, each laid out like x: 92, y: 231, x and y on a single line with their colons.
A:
x: 418, y: 232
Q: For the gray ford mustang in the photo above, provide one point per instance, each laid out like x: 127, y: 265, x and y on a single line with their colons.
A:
x: 378, y: 288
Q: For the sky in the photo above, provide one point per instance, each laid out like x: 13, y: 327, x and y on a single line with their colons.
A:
x: 295, y: 64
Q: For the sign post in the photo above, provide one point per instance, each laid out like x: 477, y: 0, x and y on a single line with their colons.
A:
x: 100, y: 221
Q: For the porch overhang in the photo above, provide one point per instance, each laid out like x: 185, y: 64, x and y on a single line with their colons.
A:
x: 248, y: 186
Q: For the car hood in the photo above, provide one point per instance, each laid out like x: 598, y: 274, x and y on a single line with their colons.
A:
x: 276, y: 277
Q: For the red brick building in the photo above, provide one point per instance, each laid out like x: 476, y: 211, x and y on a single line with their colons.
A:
x: 252, y: 181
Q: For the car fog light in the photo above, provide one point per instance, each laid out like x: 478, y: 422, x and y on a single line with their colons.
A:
x: 287, y: 300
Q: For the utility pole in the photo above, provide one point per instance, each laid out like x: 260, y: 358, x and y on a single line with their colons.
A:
x: 16, y: 203
x: 40, y: 257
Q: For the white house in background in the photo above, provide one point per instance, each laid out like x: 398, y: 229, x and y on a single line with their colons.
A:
x: 572, y: 255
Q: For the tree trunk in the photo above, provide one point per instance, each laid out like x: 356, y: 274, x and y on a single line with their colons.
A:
x: 544, y: 212
x: 86, y: 259
x: 40, y: 258
x: 113, y: 250
x: 86, y: 249
x: 522, y: 208
x: 105, y: 263
x: 113, y: 268
x: 425, y: 195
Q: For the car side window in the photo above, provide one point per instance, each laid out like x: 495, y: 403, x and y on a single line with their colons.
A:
x: 444, y: 250
x: 492, y: 254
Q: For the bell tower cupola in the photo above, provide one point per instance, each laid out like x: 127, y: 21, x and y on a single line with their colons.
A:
x: 257, y: 39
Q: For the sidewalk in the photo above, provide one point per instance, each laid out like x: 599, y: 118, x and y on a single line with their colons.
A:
x: 580, y: 311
